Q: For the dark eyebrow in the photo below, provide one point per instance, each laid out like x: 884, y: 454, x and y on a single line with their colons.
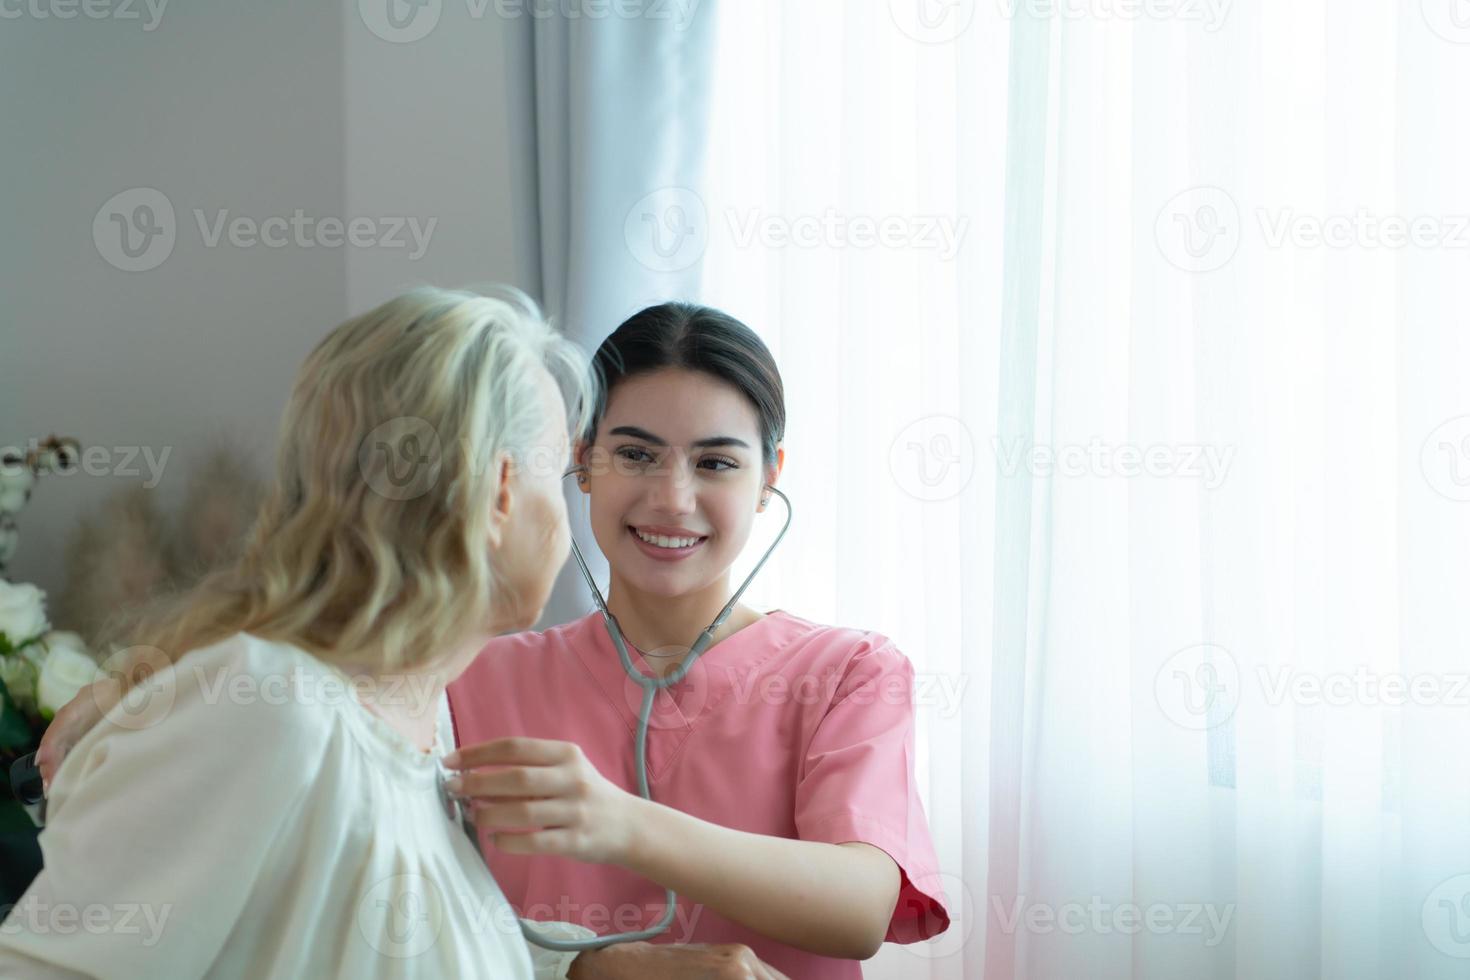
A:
x: 646, y: 436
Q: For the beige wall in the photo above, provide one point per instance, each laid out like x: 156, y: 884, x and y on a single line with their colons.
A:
x: 228, y: 107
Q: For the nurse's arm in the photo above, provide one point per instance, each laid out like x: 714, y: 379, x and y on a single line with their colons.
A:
x: 829, y: 899
x: 545, y: 797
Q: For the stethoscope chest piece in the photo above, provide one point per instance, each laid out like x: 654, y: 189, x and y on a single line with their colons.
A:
x: 448, y: 800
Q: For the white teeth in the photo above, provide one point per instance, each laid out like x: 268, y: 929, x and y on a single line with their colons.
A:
x: 661, y: 541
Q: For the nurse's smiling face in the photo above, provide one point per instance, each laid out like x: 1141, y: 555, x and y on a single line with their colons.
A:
x: 675, y: 479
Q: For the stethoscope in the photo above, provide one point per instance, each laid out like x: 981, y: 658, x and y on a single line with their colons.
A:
x: 651, y: 686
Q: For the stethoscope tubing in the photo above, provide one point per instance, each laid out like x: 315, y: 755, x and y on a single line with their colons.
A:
x: 651, y: 685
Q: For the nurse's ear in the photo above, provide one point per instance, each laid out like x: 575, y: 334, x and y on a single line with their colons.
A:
x: 581, y: 452
x: 772, y: 475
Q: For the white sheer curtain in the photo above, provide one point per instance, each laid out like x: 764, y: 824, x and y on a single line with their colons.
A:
x: 620, y: 99
x: 1124, y: 347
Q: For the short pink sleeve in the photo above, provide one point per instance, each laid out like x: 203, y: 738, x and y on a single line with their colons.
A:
x: 857, y: 782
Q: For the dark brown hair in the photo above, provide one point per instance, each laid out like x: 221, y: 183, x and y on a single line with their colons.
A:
x: 697, y: 338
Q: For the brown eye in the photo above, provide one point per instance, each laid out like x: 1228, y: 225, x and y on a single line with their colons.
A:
x: 635, y: 454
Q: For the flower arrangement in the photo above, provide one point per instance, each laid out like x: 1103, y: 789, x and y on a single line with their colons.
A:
x: 40, y: 668
x: 118, y: 560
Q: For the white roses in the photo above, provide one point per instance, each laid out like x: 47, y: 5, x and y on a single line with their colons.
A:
x: 41, y: 670
x: 22, y: 613
x: 65, y: 670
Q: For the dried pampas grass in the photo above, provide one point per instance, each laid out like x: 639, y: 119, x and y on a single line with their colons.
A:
x: 115, y: 561
x: 130, y: 555
x: 223, y: 498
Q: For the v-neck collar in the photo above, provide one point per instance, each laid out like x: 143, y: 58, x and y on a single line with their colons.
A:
x: 677, y: 710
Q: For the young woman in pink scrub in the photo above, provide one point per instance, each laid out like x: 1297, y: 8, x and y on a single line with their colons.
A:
x: 785, y: 812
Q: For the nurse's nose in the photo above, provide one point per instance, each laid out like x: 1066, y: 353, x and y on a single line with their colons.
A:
x: 672, y: 490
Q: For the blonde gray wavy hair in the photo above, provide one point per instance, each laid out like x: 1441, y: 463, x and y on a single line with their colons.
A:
x: 348, y: 559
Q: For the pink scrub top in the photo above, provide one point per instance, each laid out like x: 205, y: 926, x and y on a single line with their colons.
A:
x: 787, y: 728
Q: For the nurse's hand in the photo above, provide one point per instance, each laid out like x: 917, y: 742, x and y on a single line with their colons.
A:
x: 657, y: 961
x: 544, y: 797
x: 73, y: 720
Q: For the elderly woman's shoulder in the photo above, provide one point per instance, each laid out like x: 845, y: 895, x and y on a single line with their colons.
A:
x: 273, y: 689
x: 247, y: 655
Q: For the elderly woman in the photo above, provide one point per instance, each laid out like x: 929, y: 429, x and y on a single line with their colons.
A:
x: 269, y: 802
